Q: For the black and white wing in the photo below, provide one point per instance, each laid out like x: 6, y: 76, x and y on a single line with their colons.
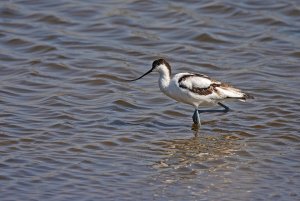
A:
x: 203, y: 85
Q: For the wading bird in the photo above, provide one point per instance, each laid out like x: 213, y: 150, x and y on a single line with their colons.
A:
x: 194, y: 89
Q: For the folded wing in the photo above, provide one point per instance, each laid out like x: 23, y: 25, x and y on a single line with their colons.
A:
x: 203, y: 85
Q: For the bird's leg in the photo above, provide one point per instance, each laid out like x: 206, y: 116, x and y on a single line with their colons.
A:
x: 226, y: 109
x: 196, y: 117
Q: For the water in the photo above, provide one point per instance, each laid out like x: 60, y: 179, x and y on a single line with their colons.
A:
x: 71, y: 129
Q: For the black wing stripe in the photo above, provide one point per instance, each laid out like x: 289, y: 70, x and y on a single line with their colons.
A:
x: 198, y: 90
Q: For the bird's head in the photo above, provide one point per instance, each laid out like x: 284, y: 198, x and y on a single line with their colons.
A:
x: 159, y: 65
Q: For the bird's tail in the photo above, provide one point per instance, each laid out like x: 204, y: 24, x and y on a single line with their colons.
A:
x: 231, y: 92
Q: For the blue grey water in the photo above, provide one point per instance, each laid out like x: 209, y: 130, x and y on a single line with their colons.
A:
x: 71, y: 129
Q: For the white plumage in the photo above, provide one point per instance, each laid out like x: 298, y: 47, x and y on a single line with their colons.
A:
x: 194, y: 89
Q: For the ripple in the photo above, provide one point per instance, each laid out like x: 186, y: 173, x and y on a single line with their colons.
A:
x: 18, y: 42
x: 295, y: 54
x: 50, y: 19
x: 268, y: 21
x: 41, y: 48
x: 216, y: 7
x: 208, y: 38
x: 73, y: 127
x: 125, y: 104
x: 292, y: 11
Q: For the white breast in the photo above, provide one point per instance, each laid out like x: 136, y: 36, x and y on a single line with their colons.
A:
x: 174, y: 91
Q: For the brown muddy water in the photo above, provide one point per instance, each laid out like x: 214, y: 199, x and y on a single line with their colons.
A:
x: 70, y: 129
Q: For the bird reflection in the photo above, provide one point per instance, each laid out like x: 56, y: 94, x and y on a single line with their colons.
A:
x: 198, y: 152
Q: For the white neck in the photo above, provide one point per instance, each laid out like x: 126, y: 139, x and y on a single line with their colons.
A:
x: 164, y: 77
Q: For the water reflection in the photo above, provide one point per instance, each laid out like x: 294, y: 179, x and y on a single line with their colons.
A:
x: 199, y: 152
x: 193, y: 163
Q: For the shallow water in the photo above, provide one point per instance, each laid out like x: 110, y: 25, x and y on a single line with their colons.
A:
x: 70, y: 128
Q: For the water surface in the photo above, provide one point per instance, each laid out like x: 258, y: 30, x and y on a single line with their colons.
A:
x: 70, y: 128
